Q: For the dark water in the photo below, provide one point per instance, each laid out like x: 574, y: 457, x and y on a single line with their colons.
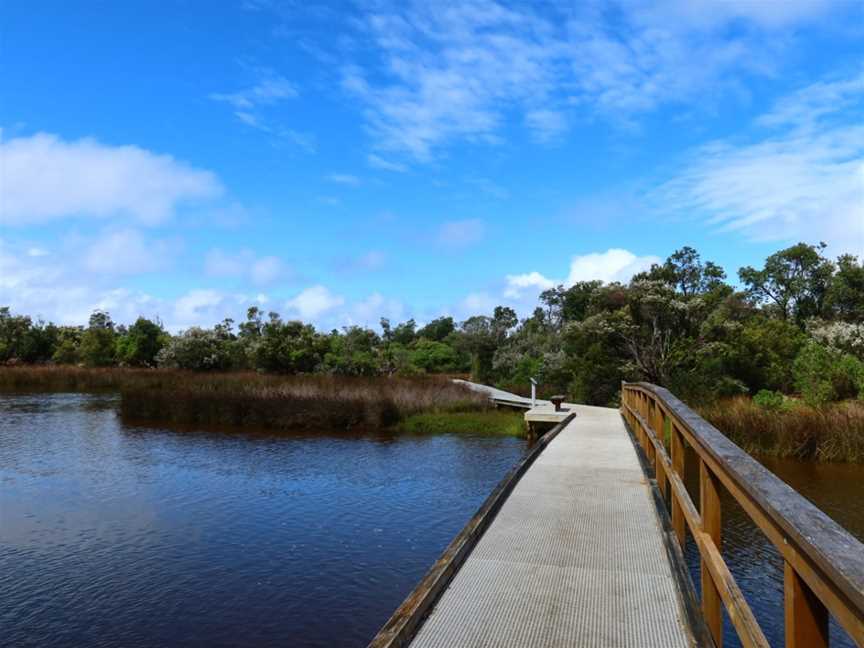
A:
x: 112, y: 535
x: 838, y: 489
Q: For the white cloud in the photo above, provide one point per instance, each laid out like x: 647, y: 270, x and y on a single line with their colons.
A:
x: 63, y: 289
x: 49, y: 287
x: 314, y: 301
x: 127, y: 251
x: 533, y: 280
x: 46, y: 178
x: 192, y: 306
x: 461, y: 233
x: 803, y: 180
x: 440, y: 72
x: 369, y: 311
x: 706, y: 14
x: 478, y: 302
x: 246, y: 265
x: 266, y: 270
x: 612, y: 265
x: 206, y: 307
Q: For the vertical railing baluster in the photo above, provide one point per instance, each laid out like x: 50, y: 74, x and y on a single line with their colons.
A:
x: 709, y: 498
x: 678, y: 457
x: 806, y: 616
x: 659, y: 468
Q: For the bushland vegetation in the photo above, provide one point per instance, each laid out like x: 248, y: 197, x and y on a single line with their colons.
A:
x: 793, y: 327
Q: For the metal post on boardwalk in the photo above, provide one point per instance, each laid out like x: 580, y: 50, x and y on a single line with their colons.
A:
x: 533, y: 392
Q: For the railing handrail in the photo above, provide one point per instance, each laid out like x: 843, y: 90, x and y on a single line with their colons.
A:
x: 831, y: 555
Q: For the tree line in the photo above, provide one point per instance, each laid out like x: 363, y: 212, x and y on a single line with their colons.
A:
x: 795, y: 326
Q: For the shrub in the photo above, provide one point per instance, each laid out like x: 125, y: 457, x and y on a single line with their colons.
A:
x: 770, y: 400
x: 196, y: 349
x: 823, y: 374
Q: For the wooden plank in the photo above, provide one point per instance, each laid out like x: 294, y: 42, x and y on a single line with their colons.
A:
x: 709, y: 508
x: 402, y: 625
x: 806, y: 618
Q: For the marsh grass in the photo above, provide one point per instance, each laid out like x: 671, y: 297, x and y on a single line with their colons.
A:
x: 831, y: 433
x: 302, y: 402
x: 492, y: 422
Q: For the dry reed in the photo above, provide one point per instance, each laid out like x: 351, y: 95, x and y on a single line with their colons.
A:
x: 831, y: 433
x: 261, y: 400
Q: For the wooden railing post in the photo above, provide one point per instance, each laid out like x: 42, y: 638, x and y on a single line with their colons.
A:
x: 806, y: 616
x: 709, y: 509
x: 679, y: 524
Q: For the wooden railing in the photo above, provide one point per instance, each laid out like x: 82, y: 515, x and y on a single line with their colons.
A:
x: 823, y: 564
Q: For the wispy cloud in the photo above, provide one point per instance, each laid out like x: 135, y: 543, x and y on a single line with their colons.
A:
x: 250, y: 108
x: 268, y: 91
x: 461, y: 233
x: 377, y: 162
x: 247, y: 266
x: 344, y: 179
x: 448, y: 72
x: 803, y: 179
x: 369, y: 262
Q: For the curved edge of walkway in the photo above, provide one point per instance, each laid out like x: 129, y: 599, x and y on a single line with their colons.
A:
x: 400, y: 629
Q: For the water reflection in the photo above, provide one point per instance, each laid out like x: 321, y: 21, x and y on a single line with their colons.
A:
x: 117, y: 534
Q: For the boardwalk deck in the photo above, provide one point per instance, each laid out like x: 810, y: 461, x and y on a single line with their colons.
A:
x: 574, y: 557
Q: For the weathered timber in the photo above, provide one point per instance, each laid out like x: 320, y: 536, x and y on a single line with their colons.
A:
x: 824, y: 564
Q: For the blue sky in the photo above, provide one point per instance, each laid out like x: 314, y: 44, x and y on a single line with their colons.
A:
x: 339, y: 162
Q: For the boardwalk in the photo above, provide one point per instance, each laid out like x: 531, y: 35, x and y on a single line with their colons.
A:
x: 569, y: 550
x: 575, y: 556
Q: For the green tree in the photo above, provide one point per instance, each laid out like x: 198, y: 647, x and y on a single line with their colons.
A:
x: 794, y: 282
x: 845, y: 298
x: 354, y: 352
x: 434, y: 357
x: 98, y: 342
x: 198, y: 349
x: 288, y: 347
x: 685, y: 272
x: 141, y: 343
x: 438, y: 329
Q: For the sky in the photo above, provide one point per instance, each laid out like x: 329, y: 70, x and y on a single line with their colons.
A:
x: 339, y: 162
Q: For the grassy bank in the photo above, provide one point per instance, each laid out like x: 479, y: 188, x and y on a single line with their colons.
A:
x: 308, y: 402
x: 831, y: 433
x: 496, y: 422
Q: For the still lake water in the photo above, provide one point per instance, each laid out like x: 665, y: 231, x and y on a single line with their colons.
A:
x: 120, y: 535
x: 114, y: 535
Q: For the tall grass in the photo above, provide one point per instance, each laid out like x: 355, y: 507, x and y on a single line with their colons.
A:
x: 831, y: 433
x: 262, y: 400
